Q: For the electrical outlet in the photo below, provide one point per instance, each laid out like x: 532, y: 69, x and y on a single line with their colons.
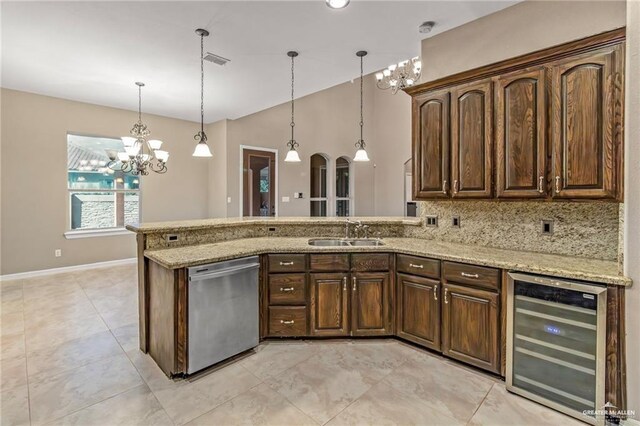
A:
x: 547, y: 227
x: 431, y: 221
x: 58, y: 253
x: 455, y: 221
x: 297, y: 195
x: 172, y: 238
x: 228, y: 200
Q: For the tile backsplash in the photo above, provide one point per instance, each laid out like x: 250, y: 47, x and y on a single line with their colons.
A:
x: 586, y: 229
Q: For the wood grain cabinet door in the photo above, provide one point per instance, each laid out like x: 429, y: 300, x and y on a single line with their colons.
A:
x: 472, y: 140
x: 329, y: 304
x: 419, y: 310
x: 430, y: 117
x: 586, y: 124
x: 371, y: 311
x: 520, y: 134
x: 470, y: 330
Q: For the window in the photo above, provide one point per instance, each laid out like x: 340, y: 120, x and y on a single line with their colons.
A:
x: 343, y: 187
x: 99, y: 198
x: 318, y: 197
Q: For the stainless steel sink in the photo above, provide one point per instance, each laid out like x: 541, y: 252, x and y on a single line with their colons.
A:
x: 339, y: 242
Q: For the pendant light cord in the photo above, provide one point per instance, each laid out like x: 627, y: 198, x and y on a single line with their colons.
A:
x: 361, y: 118
x: 293, y: 124
x: 202, y: 83
x: 139, y: 104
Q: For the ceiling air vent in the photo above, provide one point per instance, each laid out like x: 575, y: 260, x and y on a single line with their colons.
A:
x: 219, y: 60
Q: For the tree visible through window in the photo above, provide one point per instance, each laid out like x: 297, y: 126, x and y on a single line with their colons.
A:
x: 99, y: 197
x: 318, y: 197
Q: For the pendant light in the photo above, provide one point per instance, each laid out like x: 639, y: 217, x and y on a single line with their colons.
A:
x: 202, y: 149
x: 292, y: 154
x: 361, y: 153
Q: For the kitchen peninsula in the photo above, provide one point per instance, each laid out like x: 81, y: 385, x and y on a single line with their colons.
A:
x: 444, y: 296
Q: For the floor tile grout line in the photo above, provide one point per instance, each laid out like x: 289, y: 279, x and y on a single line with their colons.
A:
x: 481, y: 402
x: 26, y: 358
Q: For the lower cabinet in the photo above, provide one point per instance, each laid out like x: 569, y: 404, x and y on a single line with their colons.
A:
x: 329, y: 304
x: 371, y: 304
x: 418, y: 309
x: 470, y: 326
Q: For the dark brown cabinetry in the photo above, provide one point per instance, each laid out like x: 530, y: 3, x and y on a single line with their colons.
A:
x: 329, y: 304
x: 371, y: 304
x: 470, y: 326
x: 520, y: 105
x: 419, y: 310
x: 585, y: 124
x: 557, y: 115
x: 471, y: 140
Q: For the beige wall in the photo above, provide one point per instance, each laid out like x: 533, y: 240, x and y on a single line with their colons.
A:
x: 217, y: 178
x: 632, y: 204
x: 34, y: 171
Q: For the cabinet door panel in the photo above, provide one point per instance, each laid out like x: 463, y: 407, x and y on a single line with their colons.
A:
x: 431, y: 145
x: 470, y: 326
x: 585, y: 126
x: 419, y: 310
x: 472, y: 140
x: 329, y: 304
x: 520, y: 134
x: 371, y: 304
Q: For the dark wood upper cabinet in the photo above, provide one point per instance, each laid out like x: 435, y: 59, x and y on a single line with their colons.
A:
x: 472, y: 140
x: 329, y: 314
x: 371, y: 304
x: 431, y: 145
x: 470, y: 328
x: 586, y: 124
x: 418, y: 317
x: 520, y: 113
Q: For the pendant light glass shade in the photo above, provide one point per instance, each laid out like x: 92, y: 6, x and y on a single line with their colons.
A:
x: 337, y: 4
x: 292, y: 154
x: 361, y: 153
x: 202, y: 149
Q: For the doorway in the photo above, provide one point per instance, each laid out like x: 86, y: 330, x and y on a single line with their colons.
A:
x: 258, y: 182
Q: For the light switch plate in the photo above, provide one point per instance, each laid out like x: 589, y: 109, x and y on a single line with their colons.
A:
x: 228, y: 200
x: 285, y: 199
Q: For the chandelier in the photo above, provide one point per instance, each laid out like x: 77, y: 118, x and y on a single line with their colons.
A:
x: 292, y: 154
x: 202, y: 149
x: 140, y: 155
x: 399, y: 76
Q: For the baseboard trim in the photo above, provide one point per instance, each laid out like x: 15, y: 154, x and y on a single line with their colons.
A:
x: 43, y: 272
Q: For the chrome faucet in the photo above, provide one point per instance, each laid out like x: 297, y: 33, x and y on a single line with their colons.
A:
x: 347, y: 224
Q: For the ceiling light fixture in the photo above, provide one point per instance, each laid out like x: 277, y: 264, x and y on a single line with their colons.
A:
x: 292, y: 154
x: 140, y: 156
x: 399, y: 76
x: 337, y: 4
x: 202, y: 149
x: 361, y: 153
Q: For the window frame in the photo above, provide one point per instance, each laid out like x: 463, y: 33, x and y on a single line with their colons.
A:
x: 349, y: 199
x: 75, y: 233
x: 327, y: 197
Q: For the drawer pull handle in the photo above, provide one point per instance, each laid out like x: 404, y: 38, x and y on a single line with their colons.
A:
x: 287, y: 289
x: 540, y: 185
x: 354, y: 280
x: 287, y: 322
x: 445, y: 296
x: 290, y: 263
x: 435, y: 293
x: 413, y: 265
x: 455, y: 186
x: 464, y: 274
x: 444, y: 187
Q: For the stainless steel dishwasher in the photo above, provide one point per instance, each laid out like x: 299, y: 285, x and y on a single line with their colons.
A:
x: 223, y: 311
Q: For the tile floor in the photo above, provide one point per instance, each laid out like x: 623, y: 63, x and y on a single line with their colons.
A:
x: 70, y: 356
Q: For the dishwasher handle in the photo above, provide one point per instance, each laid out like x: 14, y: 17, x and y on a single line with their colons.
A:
x: 223, y: 272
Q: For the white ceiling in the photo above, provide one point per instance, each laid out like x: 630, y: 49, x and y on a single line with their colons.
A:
x: 94, y: 51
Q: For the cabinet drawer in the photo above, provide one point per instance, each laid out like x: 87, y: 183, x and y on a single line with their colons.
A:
x: 418, y: 266
x: 478, y: 276
x: 287, y: 263
x: 287, y: 289
x: 370, y: 262
x: 287, y: 320
x: 329, y: 262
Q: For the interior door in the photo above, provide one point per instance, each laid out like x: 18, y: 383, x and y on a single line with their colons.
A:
x: 470, y: 326
x: 521, y: 134
x: 431, y: 145
x: 585, y: 129
x: 371, y: 304
x: 472, y: 140
x: 329, y: 304
x: 259, y: 183
x: 419, y: 310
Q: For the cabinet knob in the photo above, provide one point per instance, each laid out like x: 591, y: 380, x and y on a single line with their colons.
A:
x: 557, y: 184
x: 541, y: 185
x: 444, y: 187
x: 287, y: 322
x: 287, y: 289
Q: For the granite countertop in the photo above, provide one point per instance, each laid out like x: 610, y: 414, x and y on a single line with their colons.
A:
x: 601, y: 271
x: 189, y: 225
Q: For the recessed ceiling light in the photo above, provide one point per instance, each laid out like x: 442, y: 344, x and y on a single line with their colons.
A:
x: 337, y: 4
